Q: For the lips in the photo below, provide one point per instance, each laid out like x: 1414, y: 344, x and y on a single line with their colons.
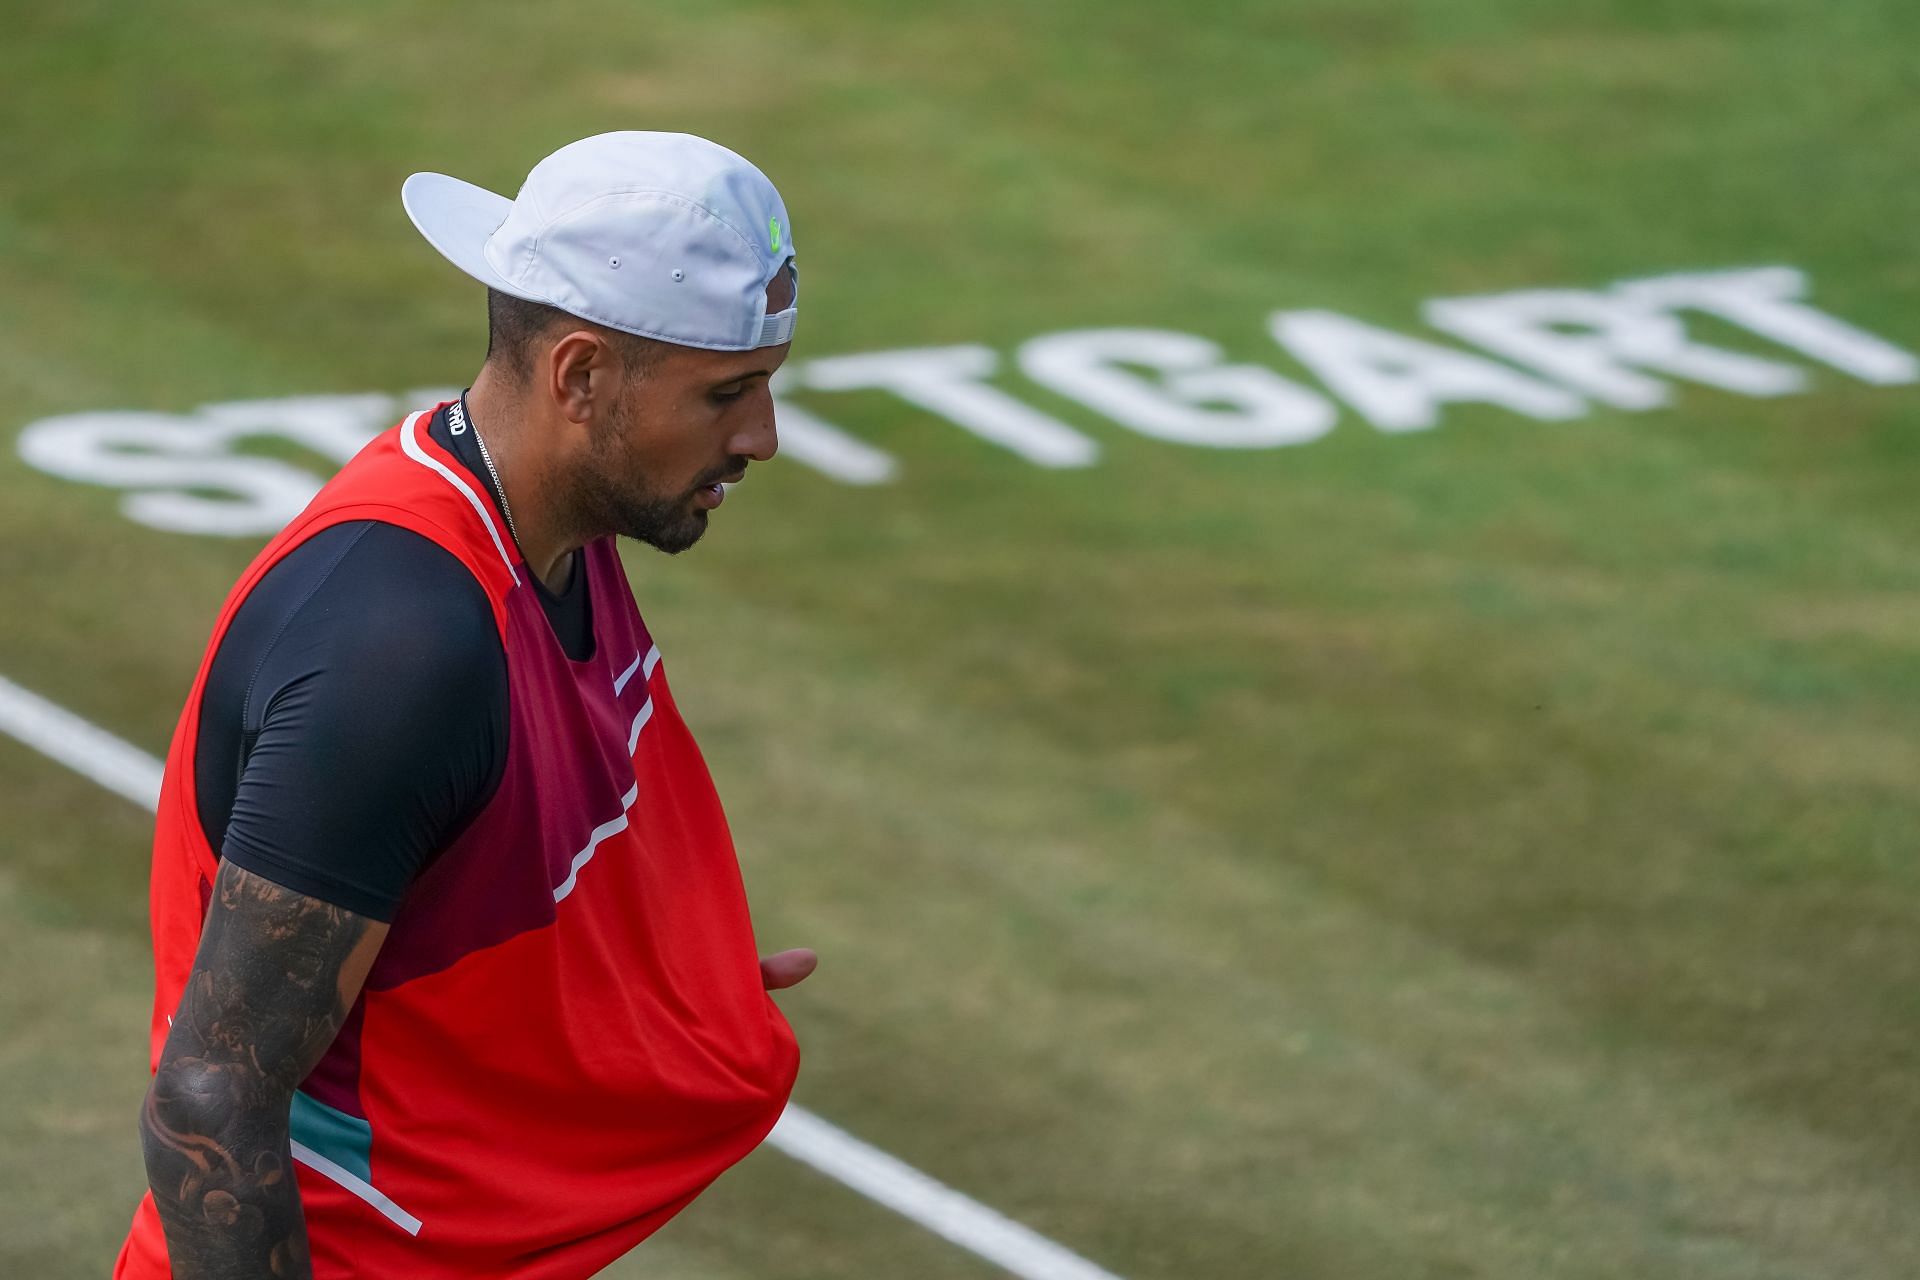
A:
x: 713, y: 493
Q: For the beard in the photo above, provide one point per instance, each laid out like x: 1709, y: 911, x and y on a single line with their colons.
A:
x: 665, y: 524
x: 622, y: 498
x: 661, y: 524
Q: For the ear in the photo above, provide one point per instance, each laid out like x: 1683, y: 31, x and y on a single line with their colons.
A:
x: 583, y: 375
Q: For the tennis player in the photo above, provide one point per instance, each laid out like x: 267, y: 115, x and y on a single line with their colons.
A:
x: 455, y: 974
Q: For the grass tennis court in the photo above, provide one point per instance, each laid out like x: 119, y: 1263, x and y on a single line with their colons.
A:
x: 1484, y: 851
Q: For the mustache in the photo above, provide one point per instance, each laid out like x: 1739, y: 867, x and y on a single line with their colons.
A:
x: 734, y: 467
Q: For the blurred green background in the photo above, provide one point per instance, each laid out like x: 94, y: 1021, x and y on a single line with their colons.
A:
x: 1487, y: 851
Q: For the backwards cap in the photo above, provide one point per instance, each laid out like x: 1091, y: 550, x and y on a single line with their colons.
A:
x: 664, y: 235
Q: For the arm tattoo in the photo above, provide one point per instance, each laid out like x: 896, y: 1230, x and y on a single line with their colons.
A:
x: 274, y: 978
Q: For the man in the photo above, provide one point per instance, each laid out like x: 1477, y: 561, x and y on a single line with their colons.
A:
x: 455, y: 975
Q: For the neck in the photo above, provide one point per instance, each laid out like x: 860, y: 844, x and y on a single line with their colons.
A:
x: 505, y: 419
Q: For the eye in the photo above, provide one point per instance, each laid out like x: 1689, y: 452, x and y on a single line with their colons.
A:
x: 725, y: 394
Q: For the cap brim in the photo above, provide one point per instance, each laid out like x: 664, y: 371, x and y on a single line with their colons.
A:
x: 458, y: 218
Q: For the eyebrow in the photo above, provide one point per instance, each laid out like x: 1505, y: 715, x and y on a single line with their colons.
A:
x: 742, y: 377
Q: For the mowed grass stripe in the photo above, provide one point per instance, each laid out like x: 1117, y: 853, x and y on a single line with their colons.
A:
x: 1266, y: 1074
x: 72, y: 1065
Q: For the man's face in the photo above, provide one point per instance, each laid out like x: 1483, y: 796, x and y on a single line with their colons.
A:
x: 682, y: 424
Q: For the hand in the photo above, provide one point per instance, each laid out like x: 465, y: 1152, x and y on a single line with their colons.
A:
x: 784, y: 969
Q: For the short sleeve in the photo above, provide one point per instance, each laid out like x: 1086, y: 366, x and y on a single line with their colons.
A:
x: 373, y: 725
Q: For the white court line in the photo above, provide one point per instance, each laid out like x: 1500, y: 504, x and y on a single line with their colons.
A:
x: 92, y: 752
x: 125, y: 770
x: 940, y: 1209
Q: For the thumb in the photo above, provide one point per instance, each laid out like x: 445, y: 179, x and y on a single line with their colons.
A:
x: 785, y: 968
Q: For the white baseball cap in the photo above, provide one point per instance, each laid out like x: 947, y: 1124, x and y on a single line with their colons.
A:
x: 664, y: 235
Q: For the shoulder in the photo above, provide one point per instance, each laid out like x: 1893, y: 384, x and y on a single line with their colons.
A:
x: 371, y: 602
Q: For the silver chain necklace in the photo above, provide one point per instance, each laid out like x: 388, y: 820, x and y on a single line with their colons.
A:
x: 462, y: 420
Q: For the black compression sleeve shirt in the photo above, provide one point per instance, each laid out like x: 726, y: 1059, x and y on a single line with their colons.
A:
x: 355, y: 716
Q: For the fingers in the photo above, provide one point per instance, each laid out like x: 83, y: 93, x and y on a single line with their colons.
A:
x: 785, y: 968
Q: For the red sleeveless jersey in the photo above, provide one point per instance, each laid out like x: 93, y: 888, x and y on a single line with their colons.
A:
x: 564, y: 1038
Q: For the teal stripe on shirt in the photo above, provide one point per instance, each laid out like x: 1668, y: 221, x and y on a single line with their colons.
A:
x: 346, y: 1140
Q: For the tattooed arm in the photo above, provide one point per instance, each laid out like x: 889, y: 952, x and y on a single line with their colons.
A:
x: 275, y: 975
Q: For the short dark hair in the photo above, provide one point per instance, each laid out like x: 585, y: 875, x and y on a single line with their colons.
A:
x: 514, y: 324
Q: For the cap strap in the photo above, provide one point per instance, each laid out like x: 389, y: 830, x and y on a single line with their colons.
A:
x: 777, y: 329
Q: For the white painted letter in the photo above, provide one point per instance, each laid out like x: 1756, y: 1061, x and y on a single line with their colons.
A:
x: 947, y: 381
x: 336, y: 427
x: 1764, y: 300
x: 824, y: 447
x: 1620, y: 333
x: 1398, y: 383
x: 1264, y: 408
x: 165, y: 457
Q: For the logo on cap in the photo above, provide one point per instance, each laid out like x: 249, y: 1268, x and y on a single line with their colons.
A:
x: 773, y: 226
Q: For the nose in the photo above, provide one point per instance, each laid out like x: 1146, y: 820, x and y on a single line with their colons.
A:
x: 761, y: 440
